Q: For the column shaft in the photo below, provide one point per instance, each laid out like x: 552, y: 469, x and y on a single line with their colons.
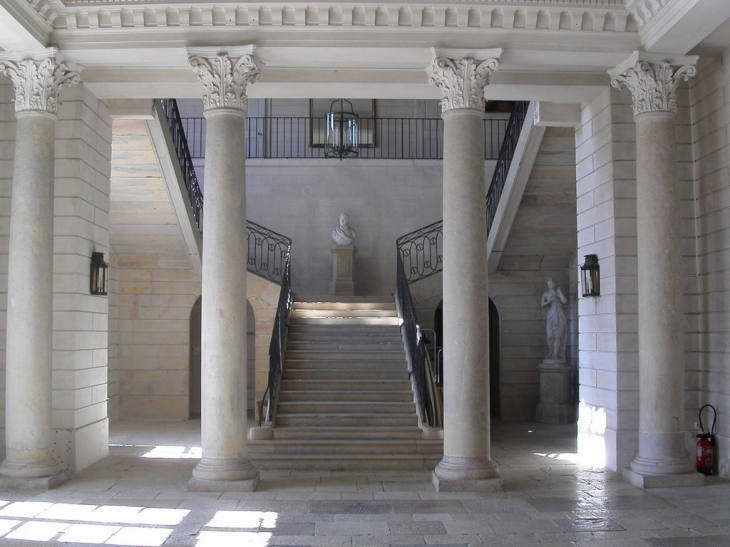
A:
x: 466, y: 302
x: 30, y: 300
x: 661, y: 370
x: 223, y: 335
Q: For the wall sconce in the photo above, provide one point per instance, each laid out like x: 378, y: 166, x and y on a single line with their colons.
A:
x: 591, y: 273
x: 341, y: 131
x: 98, y: 278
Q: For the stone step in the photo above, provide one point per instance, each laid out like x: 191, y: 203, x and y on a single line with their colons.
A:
x: 304, y: 364
x: 372, y: 408
x: 353, y: 420
x: 346, y: 356
x: 361, y: 333
x: 347, y: 306
x: 345, y: 300
x: 345, y: 462
x: 341, y: 313
x: 326, y: 375
x: 349, y: 384
x: 337, y: 344
x: 346, y: 434
x: 351, y: 321
x: 390, y: 338
x: 345, y: 395
x: 332, y: 448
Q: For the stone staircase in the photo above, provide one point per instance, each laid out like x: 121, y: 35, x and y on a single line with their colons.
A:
x: 345, y: 401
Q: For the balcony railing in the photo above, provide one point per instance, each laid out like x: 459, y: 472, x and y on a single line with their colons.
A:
x: 380, y: 138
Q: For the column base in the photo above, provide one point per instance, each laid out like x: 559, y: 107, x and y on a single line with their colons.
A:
x: 212, y: 475
x: 663, y: 481
x: 33, y: 483
x: 456, y: 474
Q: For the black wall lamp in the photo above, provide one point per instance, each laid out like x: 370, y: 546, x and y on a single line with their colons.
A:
x: 591, y: 273
x: 98, y: 278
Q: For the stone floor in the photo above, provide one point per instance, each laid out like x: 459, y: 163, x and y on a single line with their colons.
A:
x: 137, y: 496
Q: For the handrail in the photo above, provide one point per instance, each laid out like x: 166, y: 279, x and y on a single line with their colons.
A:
x: 421, y: 251
x: 276, y: 348
x: 174, y: 123
x: 380, y: 138
x: 506, y: 153
x: 415, y: 349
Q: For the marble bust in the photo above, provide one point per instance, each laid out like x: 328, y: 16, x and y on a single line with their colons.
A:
x: 344, y: 235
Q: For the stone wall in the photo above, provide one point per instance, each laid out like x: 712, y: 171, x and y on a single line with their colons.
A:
x: 608, y: 355
x: 710, y: 322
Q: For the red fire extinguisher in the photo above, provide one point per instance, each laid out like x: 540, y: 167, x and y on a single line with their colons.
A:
x: 706, y: 444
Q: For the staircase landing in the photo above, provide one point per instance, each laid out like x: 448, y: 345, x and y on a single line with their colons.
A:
x: 345, y: 401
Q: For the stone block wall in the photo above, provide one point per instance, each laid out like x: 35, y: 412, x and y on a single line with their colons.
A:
x: 710, y: 321
x: 608, y: 324
x: 80, y: 320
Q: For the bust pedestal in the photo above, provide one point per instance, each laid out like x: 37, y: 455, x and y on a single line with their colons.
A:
x: 343, y: 264
x: 555, y: 406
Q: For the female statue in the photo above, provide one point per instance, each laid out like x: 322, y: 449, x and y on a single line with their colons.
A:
x: 557, y: 329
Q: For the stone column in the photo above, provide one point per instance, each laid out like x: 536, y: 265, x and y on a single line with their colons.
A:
x: 466, y: 465
x: 225, y: 74
x: 662, y: 459
x: 37, y: 80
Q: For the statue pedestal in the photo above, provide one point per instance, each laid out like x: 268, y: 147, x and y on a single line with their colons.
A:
x: 555, y: 406
x: 343, y: 266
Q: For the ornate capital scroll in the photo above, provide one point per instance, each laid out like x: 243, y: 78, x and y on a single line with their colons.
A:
x: 653, y: 80
x: 225, y: 75
x: 37, y: 78
x: 462, y: 75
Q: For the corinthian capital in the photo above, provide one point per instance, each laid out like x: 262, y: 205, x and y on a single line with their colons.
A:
x: 37, y: 78
x: 225, y: 73
x: 462, y: 75
x: 653, y: 80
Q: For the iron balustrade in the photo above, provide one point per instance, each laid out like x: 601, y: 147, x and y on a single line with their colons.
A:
x: 276, y: 348
x: 416, y: 350
x: 380, y: 138
x: 421, y: 251
x: 506, y: 153
x: 268, y: 251
x: 180, y: 142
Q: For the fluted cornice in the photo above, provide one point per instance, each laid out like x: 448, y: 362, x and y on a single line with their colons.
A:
x: 225, y: 73
x: 461, y: 76
x: 37, y: 78
x: 653, y: 80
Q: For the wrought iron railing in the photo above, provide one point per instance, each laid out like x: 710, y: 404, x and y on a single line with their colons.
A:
x: 506, y: 153
x: 267, y: 406
x: 415, y: 348
x: 421, y: 252
x: 268, y: 251
x: 179, y: 140
x: 380, y: 138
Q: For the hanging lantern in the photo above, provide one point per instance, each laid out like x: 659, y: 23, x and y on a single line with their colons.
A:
x: 341, y: 136
x: 591, y: 273
x: 98, y: 278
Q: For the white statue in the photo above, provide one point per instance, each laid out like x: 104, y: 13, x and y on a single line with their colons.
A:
x: 557, y: 328
x: 344, y: 235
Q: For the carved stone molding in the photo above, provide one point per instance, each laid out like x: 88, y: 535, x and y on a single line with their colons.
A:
x: 225, y: 73
x: 37, y: 78
x: 645, y: 10
x: 653, y: 80
x: 461, y: 77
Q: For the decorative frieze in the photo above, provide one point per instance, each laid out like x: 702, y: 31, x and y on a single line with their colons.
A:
x: 653, y: 80
x: 225, y: 75
x: 462, y: 76
x: 37, y: 78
